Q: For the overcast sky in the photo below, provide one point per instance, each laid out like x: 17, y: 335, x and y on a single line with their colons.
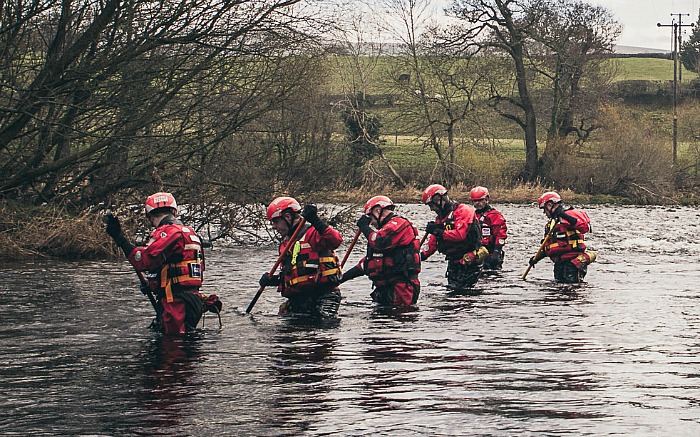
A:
x: 639, y: 18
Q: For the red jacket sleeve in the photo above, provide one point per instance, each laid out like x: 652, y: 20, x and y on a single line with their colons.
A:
x: 397, y: 232
x: 499, y: 229
x: 330, y: 239
x: 431, y: 248
x: 161, y: 245
x: 464, y: 215
x: 583, y: 222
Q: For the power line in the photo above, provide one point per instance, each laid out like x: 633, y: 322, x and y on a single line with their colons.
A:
x: 676, y: 38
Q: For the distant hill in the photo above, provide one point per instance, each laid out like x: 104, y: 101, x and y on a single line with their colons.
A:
x: 631, y: 50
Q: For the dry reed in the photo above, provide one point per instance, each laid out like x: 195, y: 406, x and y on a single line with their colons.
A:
x: 52, y: 232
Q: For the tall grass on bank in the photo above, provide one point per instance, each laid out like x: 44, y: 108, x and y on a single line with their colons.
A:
x: 52, y: 232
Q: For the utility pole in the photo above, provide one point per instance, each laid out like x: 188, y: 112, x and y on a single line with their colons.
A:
x: 676, y: 40
x: 678, y: 47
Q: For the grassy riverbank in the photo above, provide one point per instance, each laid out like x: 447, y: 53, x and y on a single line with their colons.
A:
x: 523, y: 194
x: 50, y: 232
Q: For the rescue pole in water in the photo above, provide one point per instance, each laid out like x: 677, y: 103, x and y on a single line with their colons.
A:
x: 292, y: 240
x: 544, y: 243
x: 352, y: 244
x: 145, y: 288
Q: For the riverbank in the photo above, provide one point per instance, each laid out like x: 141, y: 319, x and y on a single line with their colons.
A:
x: 53, y: 232
x: 521, y: 194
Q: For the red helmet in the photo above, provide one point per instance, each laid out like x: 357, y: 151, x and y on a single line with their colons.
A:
x: 382, y: 201
x: 278, y: 206
x: 479, y: 193
x: 160, y: 200
x: 432, y: 190
x: 549, y: 196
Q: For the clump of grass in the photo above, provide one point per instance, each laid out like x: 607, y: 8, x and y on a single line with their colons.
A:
x: 53, y: 232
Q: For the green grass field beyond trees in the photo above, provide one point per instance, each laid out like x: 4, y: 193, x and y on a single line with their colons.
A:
x: 636, y: 129
x: 649, y: 69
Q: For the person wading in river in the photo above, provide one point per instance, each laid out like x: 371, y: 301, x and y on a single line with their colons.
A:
x: 393, y: 254
x: 310, y: 269
x: 457, y: 234
x: 493, y: 227
x: 174, y: 258
x: 564, y: 239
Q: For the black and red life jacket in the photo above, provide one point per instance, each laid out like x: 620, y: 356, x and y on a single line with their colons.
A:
x: 399, y: 260
x: 302, y: 267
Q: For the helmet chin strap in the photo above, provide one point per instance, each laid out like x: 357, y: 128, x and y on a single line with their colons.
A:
x: 445, y: 207
x: 290, y: 226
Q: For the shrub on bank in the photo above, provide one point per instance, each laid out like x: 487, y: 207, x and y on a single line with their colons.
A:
x: 27, y: 232
x: 54, y: 232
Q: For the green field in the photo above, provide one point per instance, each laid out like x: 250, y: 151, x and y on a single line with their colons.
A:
x: 649, y: 69
x: 377, y: 76
x: 504, y: 150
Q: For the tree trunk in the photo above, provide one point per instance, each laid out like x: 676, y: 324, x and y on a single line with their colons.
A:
x: 397, y: 178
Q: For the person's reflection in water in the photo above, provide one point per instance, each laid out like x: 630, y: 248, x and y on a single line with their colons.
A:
x: 303, y: 366
x: 467, y: 292
x: 563, y: 292
x: 169, y: 370
x: 389, y: 358
x: 400, y: 314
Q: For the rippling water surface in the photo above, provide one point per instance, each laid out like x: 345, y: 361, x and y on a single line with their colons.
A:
x: 617, y: 355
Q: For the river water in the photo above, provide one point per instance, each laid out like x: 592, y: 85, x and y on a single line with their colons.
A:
x: 618, y: 355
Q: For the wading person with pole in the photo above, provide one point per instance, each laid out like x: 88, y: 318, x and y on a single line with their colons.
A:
x: 494, y: 230
x: 456, y: 233
x: 174, y: 258
x: 393, y: 254
x: 563, y: 242
x: 310, y: 271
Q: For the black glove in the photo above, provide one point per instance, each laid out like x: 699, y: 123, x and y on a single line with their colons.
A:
x: 310, y: 213
x: 435, y: 228
x: 145, y: 288
x: 114, y: 228
x: 352, y: 274
x: 363, y: 224
x: 560, y: 213
x: 497, y: 253
x: 495, y: 260
x: 532, y: 262
x: 535, y: 259
x: 267, y: 280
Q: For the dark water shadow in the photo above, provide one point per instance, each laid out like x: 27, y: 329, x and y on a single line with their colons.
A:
x: 302, y: 365
x: 169, y: 366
